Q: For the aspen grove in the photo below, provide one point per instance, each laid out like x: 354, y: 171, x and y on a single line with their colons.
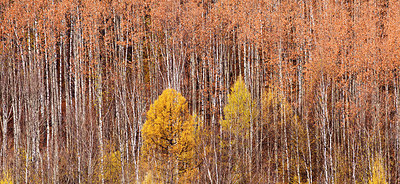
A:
x: 200, y: 91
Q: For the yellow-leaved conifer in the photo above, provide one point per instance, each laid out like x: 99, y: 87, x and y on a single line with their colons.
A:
x: 378, y: 172
x: 237, y: 127
x: 169, y: 139
x: 6, y: 179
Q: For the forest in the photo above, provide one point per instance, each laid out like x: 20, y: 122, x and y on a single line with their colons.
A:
x: 200, y: 91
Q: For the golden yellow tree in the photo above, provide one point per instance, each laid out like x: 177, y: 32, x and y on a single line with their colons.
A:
x: 6, y: 179
x: 237, y: 125
x: 169, y: 139
x: 238, y: 111
x: 378, y: 172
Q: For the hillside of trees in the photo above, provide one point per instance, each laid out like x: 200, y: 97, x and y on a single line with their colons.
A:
x: 200, y: 91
